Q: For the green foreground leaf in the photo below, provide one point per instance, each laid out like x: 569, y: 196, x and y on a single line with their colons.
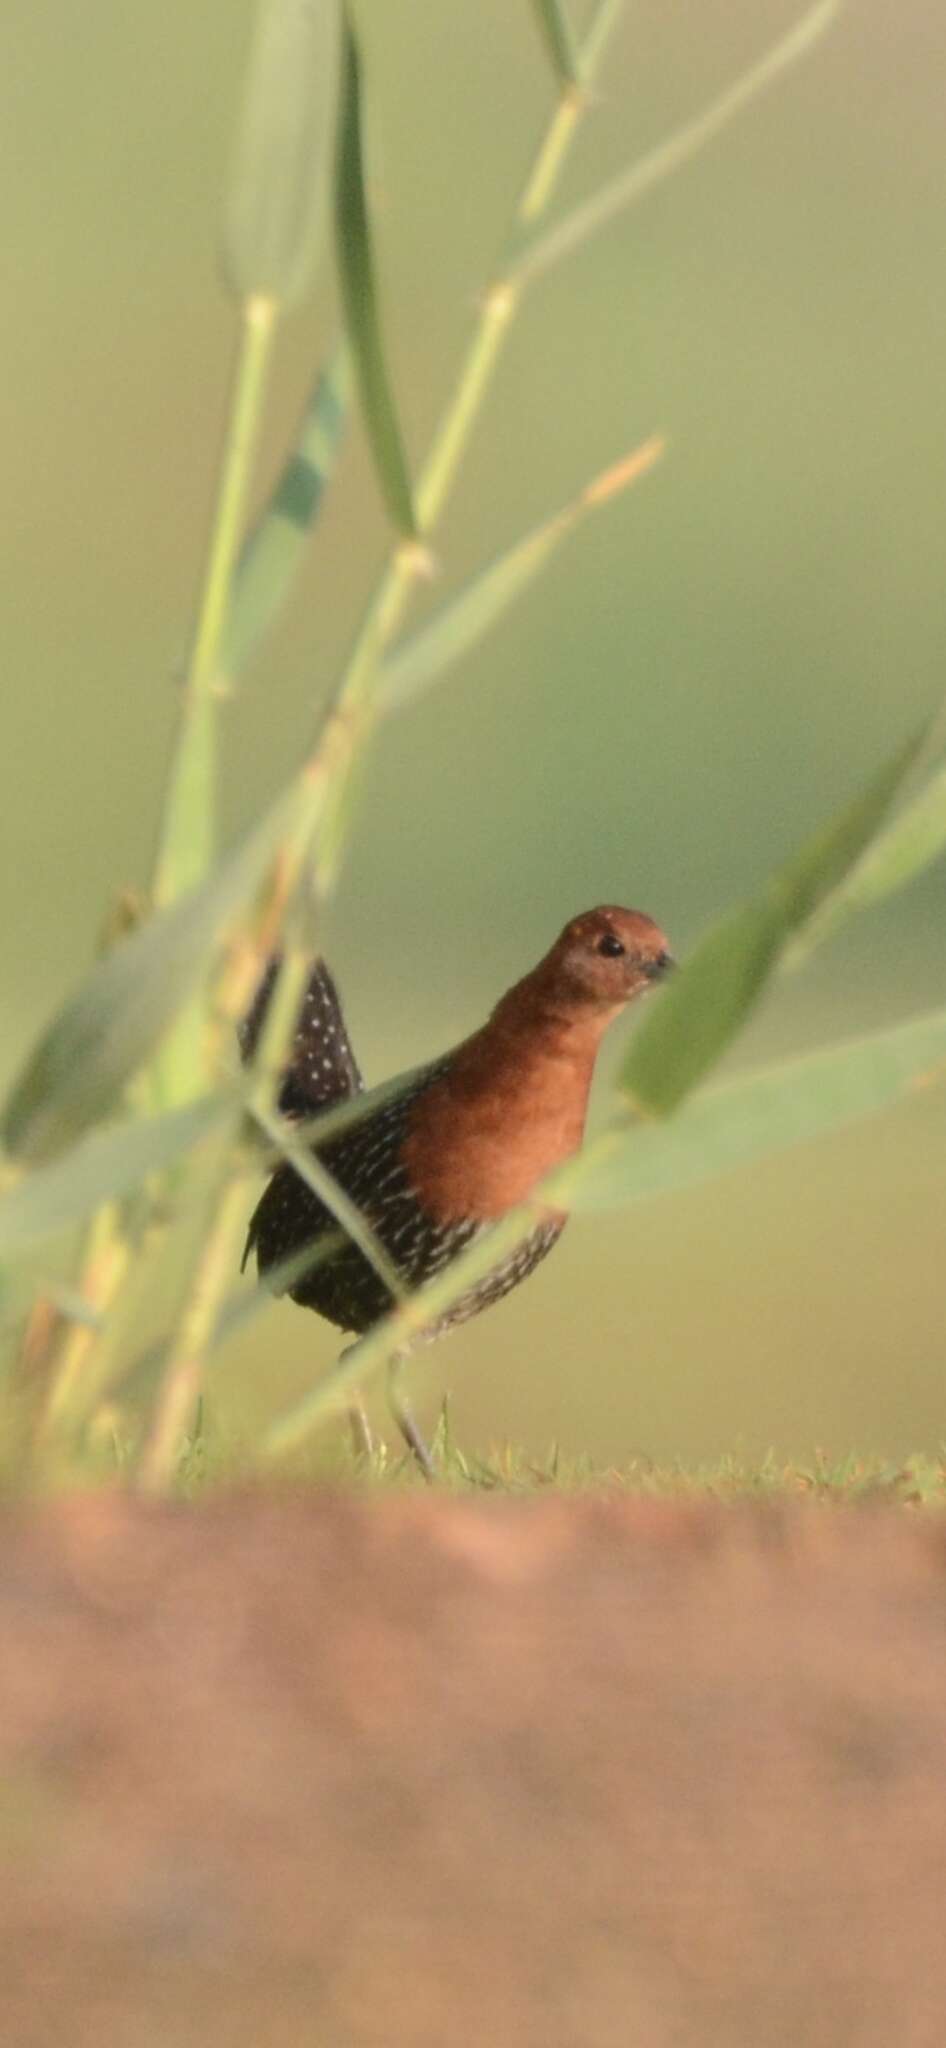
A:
x: 360, y: 300
x: 760, y: 1113
x: 556, y: 33
x: 279, y: 179
x: 311, y: 1170
x: 105, y: 1032
x: 102, y: 1167
x: 910, y: 843
x: 703, y: 1007
x: 274, y: 550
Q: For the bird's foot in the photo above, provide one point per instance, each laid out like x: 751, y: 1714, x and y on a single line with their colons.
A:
x: 407, y: 1426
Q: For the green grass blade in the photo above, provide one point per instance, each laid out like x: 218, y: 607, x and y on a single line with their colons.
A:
x: 279, y: 177
x: 274, y: 550
x: 102, y: 1167
x: 360, y: 299
x: 412, y: 667
x: 601, y: 27
x: 556, y: 32
x: 703, y: 1008
x: 544, y: 250
x: 332, y: 1195
x: 765, y: 1112
x: 105, y: 1032
x: 913, y: 839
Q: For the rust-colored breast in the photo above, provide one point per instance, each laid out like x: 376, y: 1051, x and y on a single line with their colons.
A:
x: 493, y: 1125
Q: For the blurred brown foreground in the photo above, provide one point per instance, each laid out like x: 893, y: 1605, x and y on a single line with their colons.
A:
x: 578, y: 1773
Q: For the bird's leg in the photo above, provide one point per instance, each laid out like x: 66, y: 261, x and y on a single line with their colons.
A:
x: 362, y: 1435
x: 405, y: 1422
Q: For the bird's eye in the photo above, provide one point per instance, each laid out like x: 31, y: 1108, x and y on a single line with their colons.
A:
x: 611, y: 945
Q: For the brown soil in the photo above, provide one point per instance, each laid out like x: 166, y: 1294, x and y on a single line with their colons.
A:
x: 418, y: 1773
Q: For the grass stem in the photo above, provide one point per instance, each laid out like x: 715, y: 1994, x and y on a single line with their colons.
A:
x: 187, y: 835
x: 181, y: 1385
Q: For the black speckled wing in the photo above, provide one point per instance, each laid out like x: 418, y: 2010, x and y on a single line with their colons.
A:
x: 322, y: 1069
x: 367, y: 1161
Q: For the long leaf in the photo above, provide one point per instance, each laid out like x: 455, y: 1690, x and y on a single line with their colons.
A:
x: 912, y: 840
x: 411, y: 667
x: 105, y: 1032
x: 544, y: 250
x: 759, y: 1113
x: 275, y: 547
x: 360, y: 299
x: 102, y: 1167
x: 279, y: 179
x: 704, y: 1007
x: 555, y: 29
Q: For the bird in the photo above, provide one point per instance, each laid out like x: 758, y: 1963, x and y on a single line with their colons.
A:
x: 455, y: 1144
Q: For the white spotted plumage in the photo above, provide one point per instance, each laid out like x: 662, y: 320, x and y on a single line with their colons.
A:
x: 366, y: 1160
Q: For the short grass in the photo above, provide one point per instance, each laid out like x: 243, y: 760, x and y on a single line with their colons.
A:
x: 216, y: 1457
x: 919, y: 1480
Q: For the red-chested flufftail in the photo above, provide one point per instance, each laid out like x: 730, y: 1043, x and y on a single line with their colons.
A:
x: 466, y: 1139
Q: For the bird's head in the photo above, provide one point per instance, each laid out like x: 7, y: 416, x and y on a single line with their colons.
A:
x: 606, y: 957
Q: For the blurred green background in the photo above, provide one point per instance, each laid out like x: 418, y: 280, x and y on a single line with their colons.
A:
x: 714, y: 665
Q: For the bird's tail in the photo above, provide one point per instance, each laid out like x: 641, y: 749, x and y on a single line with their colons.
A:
x: 322, y: 1069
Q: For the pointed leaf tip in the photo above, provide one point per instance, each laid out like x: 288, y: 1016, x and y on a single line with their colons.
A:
x: 417, y: 662
x: 556, y: 32
x: 700, y: 1012
x: 279, y: 177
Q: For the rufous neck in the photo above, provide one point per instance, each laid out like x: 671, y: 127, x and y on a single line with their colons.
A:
x: 538, y: 1018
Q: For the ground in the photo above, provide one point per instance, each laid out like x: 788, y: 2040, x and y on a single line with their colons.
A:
x: 411, y: 1768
